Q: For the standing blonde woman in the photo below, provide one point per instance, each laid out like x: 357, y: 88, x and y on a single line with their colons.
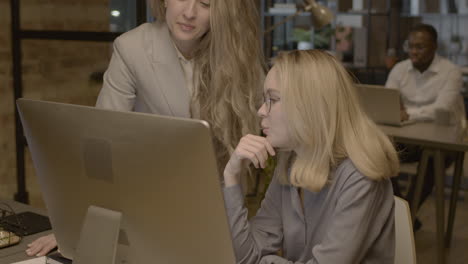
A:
x: 331, y: 200
x: 200, y: 59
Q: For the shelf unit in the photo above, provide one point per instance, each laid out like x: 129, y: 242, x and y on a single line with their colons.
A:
x: 376, y: 17
x: 271, y: 41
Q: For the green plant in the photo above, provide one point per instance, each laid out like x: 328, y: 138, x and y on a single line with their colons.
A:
x: 300, y: 34
x: 322, y: 36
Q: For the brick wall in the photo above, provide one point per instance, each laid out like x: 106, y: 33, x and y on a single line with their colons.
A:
x: 7, y: 154
x: 52, y: 70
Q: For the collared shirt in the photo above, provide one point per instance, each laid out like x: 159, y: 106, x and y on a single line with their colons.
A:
x: 438, y: 87
x: 187, y: 68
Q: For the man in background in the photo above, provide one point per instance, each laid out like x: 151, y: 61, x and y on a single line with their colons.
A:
x: 429, y: 85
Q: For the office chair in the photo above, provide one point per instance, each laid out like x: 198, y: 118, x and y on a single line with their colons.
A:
x: 405, y: 251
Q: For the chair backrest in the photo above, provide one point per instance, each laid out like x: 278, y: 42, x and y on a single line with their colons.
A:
x: 405, y: 251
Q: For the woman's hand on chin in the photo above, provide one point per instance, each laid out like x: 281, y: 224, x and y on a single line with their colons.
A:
x: 251, y: 149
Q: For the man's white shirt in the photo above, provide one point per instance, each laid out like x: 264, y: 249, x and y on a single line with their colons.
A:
x: 422, y: 93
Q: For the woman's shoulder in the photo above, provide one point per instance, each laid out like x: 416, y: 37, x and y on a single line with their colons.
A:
x: 347, y: 174
x: 346, y: 169
x: 144, y: 33
x: 446, y: 65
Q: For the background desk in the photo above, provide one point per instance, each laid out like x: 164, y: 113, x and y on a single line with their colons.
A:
x: 435, y: 141
x: 16, y: 253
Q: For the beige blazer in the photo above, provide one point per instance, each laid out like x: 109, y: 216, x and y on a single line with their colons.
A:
x: 145, y: 74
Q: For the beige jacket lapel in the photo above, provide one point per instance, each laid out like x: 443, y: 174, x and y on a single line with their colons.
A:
x: 168, y: 72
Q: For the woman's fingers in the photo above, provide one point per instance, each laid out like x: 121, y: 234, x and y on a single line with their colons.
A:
x: 34, y: 247
x: 251, y: 149
x: 256, y: 149
x: 256, y: 154
x: 46, y: 249
x: 263, y: 142
x: 252, y: 157
x: 41, y: 246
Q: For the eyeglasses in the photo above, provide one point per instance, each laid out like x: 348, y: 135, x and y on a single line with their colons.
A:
x: 407, y: 47
x: 268, y: 101
x: 418, y: 48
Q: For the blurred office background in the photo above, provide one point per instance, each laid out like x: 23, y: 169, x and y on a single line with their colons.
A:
x: 65, y: 47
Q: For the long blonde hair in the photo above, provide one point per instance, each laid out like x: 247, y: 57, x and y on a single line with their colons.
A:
x: 229, y: 71
x: 327, y: 122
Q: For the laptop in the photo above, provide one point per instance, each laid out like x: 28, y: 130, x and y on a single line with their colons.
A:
x: 382, y: 104
x: 159, y: 172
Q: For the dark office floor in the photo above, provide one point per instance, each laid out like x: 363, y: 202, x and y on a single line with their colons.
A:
x: 425, y: 238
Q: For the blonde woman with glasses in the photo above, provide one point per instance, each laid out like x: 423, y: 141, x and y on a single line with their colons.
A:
x: 330, y: 200
x: 200, y: 59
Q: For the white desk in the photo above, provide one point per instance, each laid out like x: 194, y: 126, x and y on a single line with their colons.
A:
x: 17, y: 252
x: 435, y: 141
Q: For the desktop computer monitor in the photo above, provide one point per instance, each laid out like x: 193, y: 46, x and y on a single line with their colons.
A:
x: 159, y: 172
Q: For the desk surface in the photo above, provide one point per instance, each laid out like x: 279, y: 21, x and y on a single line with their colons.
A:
x: 16, y: 253
x: 430, y: 135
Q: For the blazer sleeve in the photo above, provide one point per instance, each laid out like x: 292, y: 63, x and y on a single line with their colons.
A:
x: 263, y: 234
x: 119, y: 89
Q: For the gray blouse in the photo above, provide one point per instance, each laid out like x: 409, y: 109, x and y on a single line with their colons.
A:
x: 351, y: 220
